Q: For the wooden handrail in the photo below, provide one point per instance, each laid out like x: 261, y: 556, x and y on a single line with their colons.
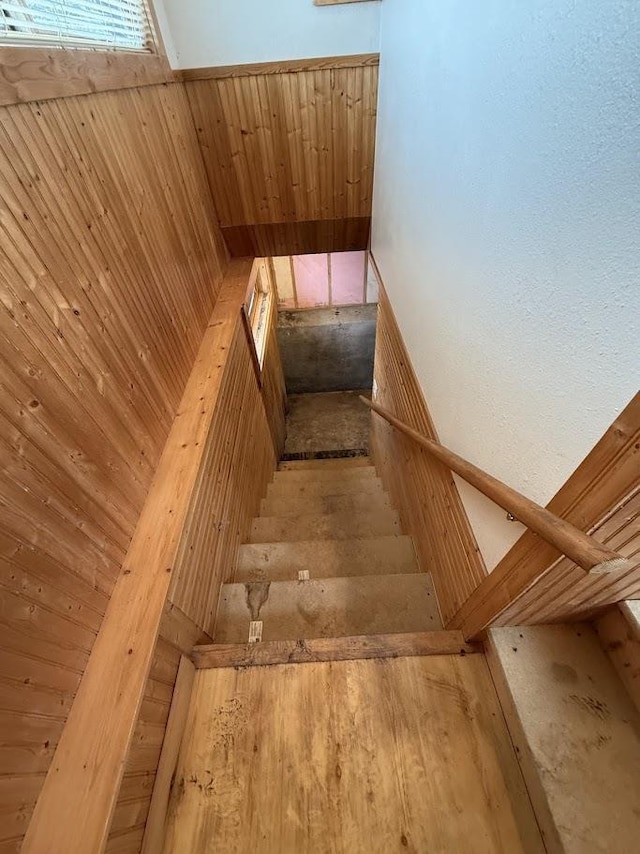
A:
x: 579, y: 547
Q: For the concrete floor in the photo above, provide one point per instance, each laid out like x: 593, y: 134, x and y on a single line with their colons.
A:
x: 329, y: 422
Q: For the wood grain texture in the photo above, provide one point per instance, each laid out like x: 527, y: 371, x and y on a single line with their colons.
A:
x: 180, y: 701
x: 135, y: 795
x: 619, y: 636
x: 76, y: 804
x: 532, y: 584
x: 39, y: 74
x: 332, y: 649
x: 409, y: 754
x: 420, y: 487
x: 583, y: 550
x: 110, y: 263
x: 287, y: 152
x: 563, y: 593
x: 298, y: 238
x: 285, y: 66
x: 237, y: 462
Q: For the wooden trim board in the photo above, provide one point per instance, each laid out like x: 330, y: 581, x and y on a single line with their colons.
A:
x: 604, y: 479
x: 40, y: 74
x: 74, y: 810
x: 421, y: 488
x: 332, y: 649
x: 154, y: 829
x: 287, y: 66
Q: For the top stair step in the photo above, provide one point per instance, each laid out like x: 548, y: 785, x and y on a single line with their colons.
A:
x: 340, y: 463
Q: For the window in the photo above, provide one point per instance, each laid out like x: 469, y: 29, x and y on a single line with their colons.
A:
x: 115, y: 24
x: 259, y: 306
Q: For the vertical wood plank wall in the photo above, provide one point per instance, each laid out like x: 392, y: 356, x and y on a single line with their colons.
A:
x: 130, y: 815
x: 110, y: 262
x: 289, y: 151
x: 420, y: 487
x: 238, y: 460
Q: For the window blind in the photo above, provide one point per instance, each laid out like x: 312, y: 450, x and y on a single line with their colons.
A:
x: 120, y: 24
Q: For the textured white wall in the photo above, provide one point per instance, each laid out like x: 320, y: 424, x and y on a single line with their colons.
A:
x: 231, y: 32
x: 506, y: 227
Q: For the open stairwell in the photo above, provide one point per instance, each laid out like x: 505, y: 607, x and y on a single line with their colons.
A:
x: 327, y: 559
x: 333, y: 713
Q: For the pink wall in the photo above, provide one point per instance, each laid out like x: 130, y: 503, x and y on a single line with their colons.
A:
x: 322, y: 280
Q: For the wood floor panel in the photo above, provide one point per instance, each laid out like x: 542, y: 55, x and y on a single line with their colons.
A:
x: 403, y: 755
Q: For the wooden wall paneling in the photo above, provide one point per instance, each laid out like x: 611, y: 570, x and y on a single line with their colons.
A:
x: 110, y: 264
x: 76, y: 803
x: 154, y: 829
x: 136, y: 789
x: 237, y: 460
x: 620, y: 638
x: 421, y: 488
x: 237, y: 463
x: 564, y: 592
x: 289, y: 153
x: 298, y: 238
x: 532, y: 583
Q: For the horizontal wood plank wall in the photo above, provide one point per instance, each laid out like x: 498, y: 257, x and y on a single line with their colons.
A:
x: 289, y: 153
x: 110, y: 261
x: 533, y: 583
x: 238, y: 462
x: 421, y: 488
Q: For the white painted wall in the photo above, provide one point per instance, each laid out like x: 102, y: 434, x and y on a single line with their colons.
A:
x: 506, y: 227
x: 231, y: 32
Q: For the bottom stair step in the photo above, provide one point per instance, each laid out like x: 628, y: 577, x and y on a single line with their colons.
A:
x: 329, y: 607
x: 332, y: 649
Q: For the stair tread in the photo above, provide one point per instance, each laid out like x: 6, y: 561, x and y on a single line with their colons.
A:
x: 322, y: 504
x: 345, y: 648
x: 328, y: 607
x: 367, y: 486
x: 339, y: 464
x: 576, y: 730
x: 314, y: 474
x: 324, y: 526
x: 327, y: 558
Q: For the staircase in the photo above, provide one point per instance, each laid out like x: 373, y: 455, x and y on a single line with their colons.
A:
x: 327, y: 558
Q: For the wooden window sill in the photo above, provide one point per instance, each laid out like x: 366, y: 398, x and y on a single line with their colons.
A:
x: 39, y: 74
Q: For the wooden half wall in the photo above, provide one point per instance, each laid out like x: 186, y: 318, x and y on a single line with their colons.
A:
x: 236, y: 460
x: 289, y: 148
x: 110, y: 263
x: 213, y: 471
x: 421, y: 488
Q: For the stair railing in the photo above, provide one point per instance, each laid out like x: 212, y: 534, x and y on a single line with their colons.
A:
x: 583, y: 550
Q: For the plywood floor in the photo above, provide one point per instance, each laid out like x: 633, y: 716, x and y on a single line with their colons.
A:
x: 402, y: 755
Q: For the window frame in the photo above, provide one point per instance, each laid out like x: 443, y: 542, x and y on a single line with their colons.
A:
x: 32, y: 73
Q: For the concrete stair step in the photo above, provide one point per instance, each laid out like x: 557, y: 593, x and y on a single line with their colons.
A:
x: 359, y: 473
x: 349, y: 648
x: 343, y: 486
x: 322, y: 504
x: 576, y: 734
x: 340, y: 463
x: 328, y: 526
x: 326, y: 559
x: 330, y: 607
